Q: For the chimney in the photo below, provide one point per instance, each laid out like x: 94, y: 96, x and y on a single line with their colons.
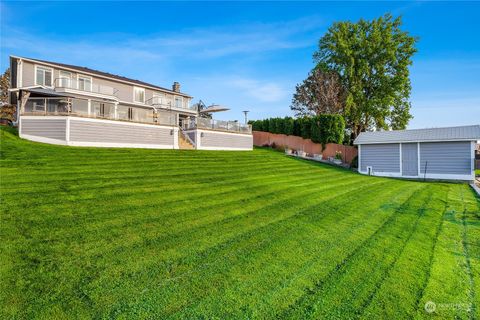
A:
x: 176, y: 87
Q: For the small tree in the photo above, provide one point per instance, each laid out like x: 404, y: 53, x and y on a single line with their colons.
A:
x: 7, y: 111
x: 4, y: 85
x: 322, y: 92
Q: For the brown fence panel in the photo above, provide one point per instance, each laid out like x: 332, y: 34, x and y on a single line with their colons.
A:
x: 261, y: 138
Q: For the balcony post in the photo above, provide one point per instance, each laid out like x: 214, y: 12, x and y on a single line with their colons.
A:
x: 89, y: 107
x: 115, y: 112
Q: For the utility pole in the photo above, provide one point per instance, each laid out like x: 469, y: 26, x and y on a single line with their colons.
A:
x: 245, y: 112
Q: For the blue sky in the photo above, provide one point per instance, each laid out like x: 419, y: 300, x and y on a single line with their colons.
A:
x: 248, y: 55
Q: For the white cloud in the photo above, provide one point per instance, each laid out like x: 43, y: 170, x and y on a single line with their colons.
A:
x: 262, y: 91
x: 198, y: 43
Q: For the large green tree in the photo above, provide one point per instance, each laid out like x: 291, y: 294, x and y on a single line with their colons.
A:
x: 372, y: 59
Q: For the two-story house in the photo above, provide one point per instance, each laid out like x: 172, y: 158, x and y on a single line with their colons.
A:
x: 72, y: 105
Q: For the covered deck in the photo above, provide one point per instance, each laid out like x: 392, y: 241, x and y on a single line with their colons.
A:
x: 59, y: 118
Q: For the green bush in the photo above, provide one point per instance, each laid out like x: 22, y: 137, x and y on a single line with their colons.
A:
x: 325, y: 128
x: 297, y: 127
x: 331, y: 128
x: 315, y: 132
x: 257, y: 125
x: 280, y: 125
x: 265, y: 125
x: 306, y: 128
x: 354, y: 163
x: 288, y: 126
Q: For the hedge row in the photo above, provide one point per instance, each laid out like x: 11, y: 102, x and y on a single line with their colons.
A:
x: 325, y: 128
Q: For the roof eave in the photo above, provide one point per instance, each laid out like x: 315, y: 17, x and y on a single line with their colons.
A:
x: 53, y: 64
x: 415, y: 141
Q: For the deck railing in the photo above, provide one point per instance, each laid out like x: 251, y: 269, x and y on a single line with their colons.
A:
x: 84, y: 85
x: 98, y: 110
x: 64, y: 107
x: 218, y: 125
x: 166, y: 102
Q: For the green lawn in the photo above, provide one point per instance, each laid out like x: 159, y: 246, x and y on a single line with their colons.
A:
x: 123, y: 233
x: 477, y: 172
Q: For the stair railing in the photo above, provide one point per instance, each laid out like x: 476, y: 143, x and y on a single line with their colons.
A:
x: 187, y: 137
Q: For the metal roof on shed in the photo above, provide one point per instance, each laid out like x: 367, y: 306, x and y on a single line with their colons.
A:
x: 463, y: 133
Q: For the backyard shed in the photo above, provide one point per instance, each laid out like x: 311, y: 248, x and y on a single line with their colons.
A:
x: 435, y: 153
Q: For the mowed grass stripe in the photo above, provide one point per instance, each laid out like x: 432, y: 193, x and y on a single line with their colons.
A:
x: 181, y: 174
x: 170, y: 200
x: 347, y: 289
x: 448, y: 283
x: 216, y: 258
x: 152, y: 181
x: 301, y: 252
x: 470, y: 218
x: 412, y: 266
x: 90, y: 170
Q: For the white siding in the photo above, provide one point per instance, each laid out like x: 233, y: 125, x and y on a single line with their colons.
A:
x: 111, y: 132
x: 44, y: 127
x: 225, y: 141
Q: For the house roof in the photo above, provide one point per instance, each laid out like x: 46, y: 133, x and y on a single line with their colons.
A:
x: 103, y: 74
x: 464, y: 133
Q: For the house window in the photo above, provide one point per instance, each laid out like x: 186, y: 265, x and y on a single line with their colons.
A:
x: 103, y: 110
x: 65, y: 79
x: 157, y: 99
x: 79, y: 106
x: 178, y: 102
x: 139, y: 95
x: 84, y: 83
x: 43, y: 76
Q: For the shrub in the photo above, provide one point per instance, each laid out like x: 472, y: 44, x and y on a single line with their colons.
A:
x: 315, y: 133
x: 280, y: 147
x: 288, y: 125
x: 354, y: 163
x: 305, y: 128
x: 297, y: 131
x: 256, y: 125
x: 331, y: 128
x: 325, y: 128
x: 265, y: 125
x: 272, y: 125
x: 280, y: 122
x: 338, y: 155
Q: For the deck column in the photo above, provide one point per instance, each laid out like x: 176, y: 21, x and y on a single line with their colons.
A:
x: 115, y: 111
